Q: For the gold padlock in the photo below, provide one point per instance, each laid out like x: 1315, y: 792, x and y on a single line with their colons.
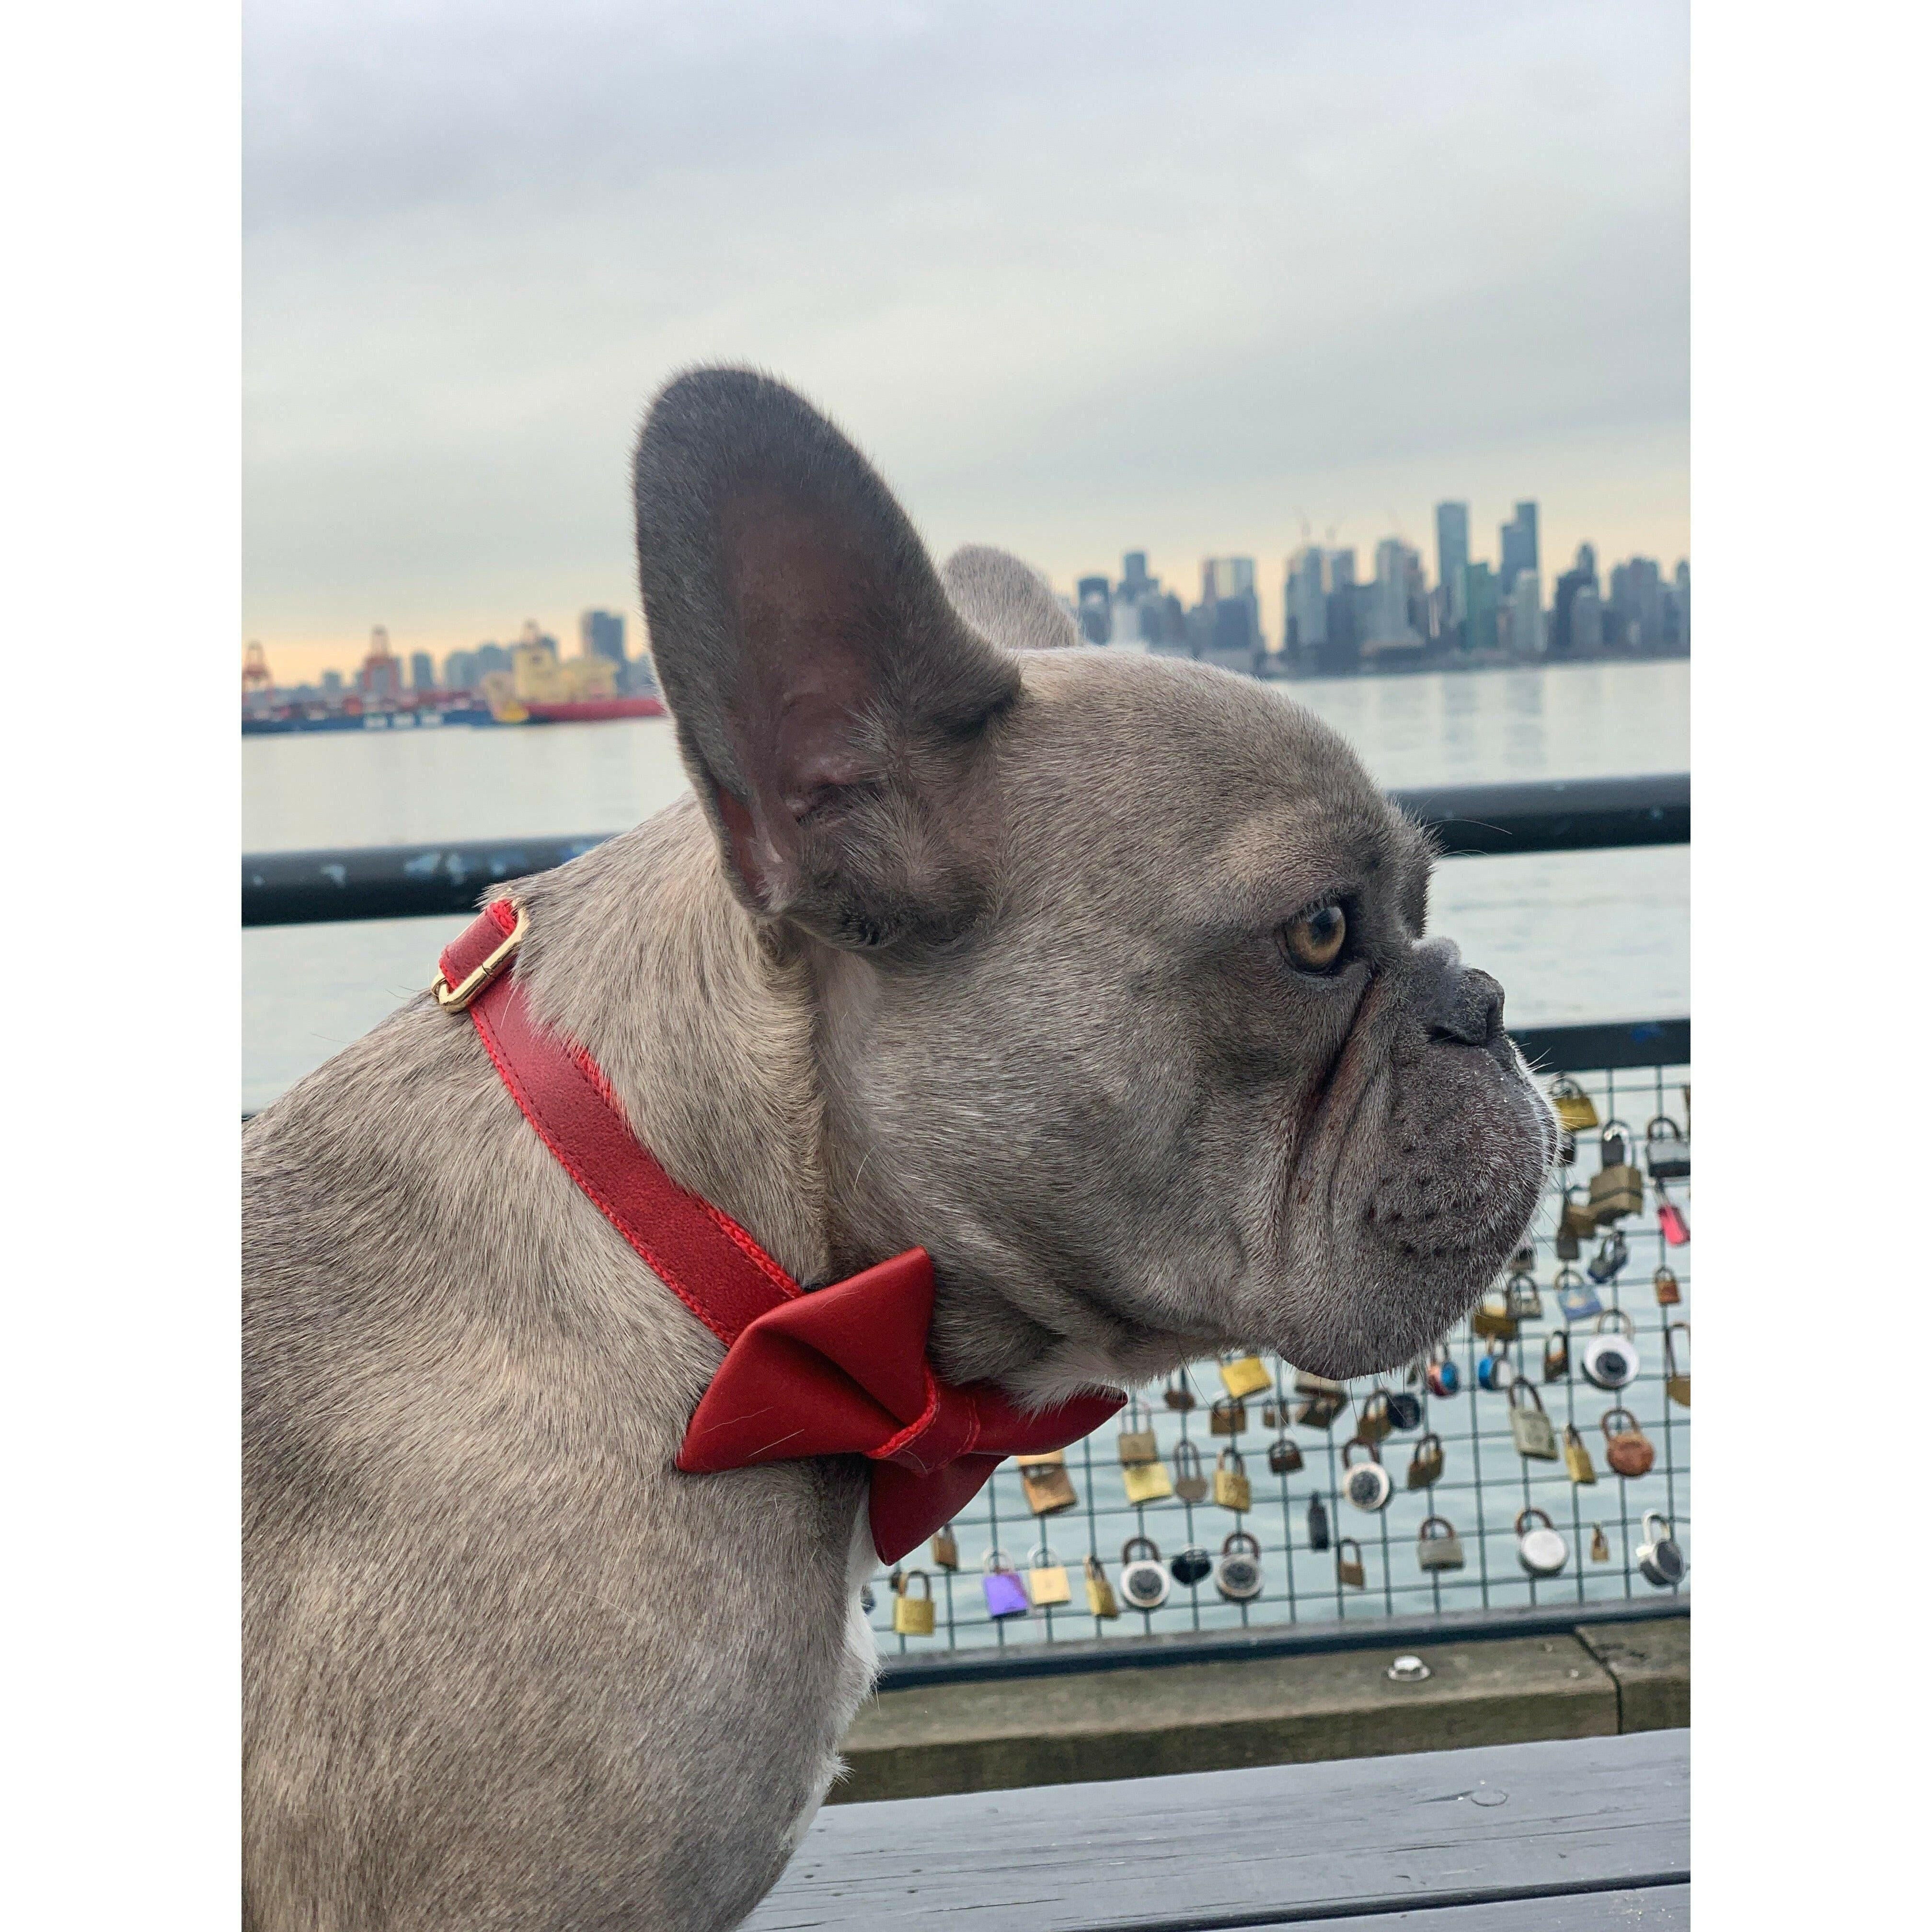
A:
x: 1617, y: 1188
x: 1100, y: 1598
x: 1492, y: 1317
x: 912, y: 1616
x: 1425, y: 1466
x: 1372, y: 1420
x: 1676, y: 1374
x: 946, y: 1549
x: 1046, y: 1578
x: 1600, y: 1544
x: 1323, y: 1400
x: 1577, y: 1456
x: 1138, y: 1442
x: 1529, y: 1426
x: 1576, y: 1112
x: 1191, y: 1485
x: 1232, y: 1488
x: 1178, y: 1392
x: 1048, y: 1487
x: 1349, y: 1569
x: 1146, y: 1482
x: 1229, y: 1417
x: 1244, y: 1375
x: 1669, y: 1292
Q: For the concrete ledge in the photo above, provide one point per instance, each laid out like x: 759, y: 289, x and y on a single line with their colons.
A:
x: 1138, y: 1722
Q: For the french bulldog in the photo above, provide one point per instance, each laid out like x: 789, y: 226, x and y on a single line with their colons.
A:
x: 1102, y: 977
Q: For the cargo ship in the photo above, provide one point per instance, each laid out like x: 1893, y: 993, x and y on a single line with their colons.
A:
x: 513, y: 710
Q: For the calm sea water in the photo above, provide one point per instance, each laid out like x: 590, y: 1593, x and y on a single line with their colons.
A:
x: 1572, y: 936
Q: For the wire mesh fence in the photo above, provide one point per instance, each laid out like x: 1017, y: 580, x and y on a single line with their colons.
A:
x: 1478, y: 1506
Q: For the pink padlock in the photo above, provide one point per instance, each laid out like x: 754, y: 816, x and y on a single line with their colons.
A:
x: 1670, y: 1219
x: 1006, y: 1595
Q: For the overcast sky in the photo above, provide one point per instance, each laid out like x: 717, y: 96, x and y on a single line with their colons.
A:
x: 1080, y: 277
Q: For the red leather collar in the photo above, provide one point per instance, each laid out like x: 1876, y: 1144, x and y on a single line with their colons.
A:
x: 840, y: 1370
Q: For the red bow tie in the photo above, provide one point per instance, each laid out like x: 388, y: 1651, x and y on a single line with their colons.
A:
x: 840, y: 1371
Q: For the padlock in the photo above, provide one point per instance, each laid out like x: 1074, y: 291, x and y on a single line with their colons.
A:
x: 1404, y: 1410
x: 1658, y: 1556
x: 1178, y: 1392
x: 1616, y: 1189
x: 1530, y: 1428
x: 1100, y: 1598
x: 1046, y: 1578
x: 1317, y: 1523
x: 1630, y: 1452
x: 1137, y: 1441
x: 1146, y: 1482
x: 1006, y: 1595
x: 946, y: 1550
x: 912, y: 1616
x: 1611, y: 1361
x: 1232, y: 1489
x: 1670, y: 1222
x: 1573, y: 1107
x: 1600, y: 1544
x: 1371, y: 1419
x: 1284, y: 1455
x: 1320, y: 1406
x: 1666, y: 1150
x: 1244, y: 1375
x: 1669, y: 1292
x: 1522, y: 1298
x: 1577, y: 1456
x: 1574, y: 1225
x: 1048, y: 1487
x: 1556, y: 1356
x: 1676, y: 1372
x: 1143, y: 1578
x: 1425, y: 1466
x: 1274, y: 1415
x: 1237, y: 1576
x: 1441, y: 1374
x: 1349, y: 1569
x: 1228, y: 1417
x: 1575, y: 1296
x: 1606, y: 1263
x: 1492, y: 1317
x: 1190, y: 1481
x: 1367, y: 1485
x: 1191, y: 1564
x: 1494, y: 1371
x: 1437, y: 1545
x: 1539, y: 1549
x: 1523, y: 1261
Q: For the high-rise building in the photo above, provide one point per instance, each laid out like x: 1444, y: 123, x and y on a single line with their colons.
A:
x: 491, y: 657
x: 1225, y: 577
x: 1581, y: 576
x: 1452, y: 554
x: 1526, y: 609
x: 1093, y: 603
x: 422, y: 671
x: 1135, y: 580
x: 602, y: 633
x: 1680, y: 590
x: 1519, y: 547
x: 1480, y: 601
x: 1637, y: 605
x: 1392, y: 629
x: 459, y: 671
x: 1305, y: 601
x: 1585, y: 623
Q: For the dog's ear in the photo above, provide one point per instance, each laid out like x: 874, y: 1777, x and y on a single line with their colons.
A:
x: 829, y: 698
x: 1007, y: 600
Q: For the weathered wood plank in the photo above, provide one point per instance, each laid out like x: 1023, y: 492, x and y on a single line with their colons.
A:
x: 1279, y: 1845
x: 1651, y: 1663
x: 932, y: 1739
x: 1657, y: 1908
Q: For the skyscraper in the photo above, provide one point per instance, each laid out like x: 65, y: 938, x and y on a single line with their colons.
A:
x: 422, y: 671
x: 1391, y: 626
x: 1305, y: 601
x: 1525, y: 603
x: 1452, y: 554
x: 1093, y: 596
x: 1479, y: 601
x: 1519, y: 547
x: 602, y: 632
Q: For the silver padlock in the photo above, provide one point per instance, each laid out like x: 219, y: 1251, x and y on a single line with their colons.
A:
x: 1367, y: 1485
x: 1143, y: 1578
x: 1237, y: 1576
x: 1610, y: 1360
x: 1659, y: 1556
x: 1539, y: 1549
x: 1437, y: 1545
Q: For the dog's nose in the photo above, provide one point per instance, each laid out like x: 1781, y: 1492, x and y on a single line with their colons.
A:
x: 1457, y: 1002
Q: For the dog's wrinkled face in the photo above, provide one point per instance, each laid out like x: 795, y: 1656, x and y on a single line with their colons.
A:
x: 1127, y: 1011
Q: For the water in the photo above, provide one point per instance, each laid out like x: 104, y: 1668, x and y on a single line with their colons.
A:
x: 1572, y: 936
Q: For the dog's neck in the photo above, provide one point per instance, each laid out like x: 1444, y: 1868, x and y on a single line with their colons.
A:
x: 640, y: 953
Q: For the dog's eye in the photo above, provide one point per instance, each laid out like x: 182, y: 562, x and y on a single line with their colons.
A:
x: 1314, y: 939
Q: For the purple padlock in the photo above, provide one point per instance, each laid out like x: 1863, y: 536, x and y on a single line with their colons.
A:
x: 1006, y: 1595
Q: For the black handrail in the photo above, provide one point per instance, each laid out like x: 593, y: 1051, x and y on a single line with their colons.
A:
x: 420, y: 881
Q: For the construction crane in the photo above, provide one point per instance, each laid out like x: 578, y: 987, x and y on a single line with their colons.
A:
x: 256, y: 678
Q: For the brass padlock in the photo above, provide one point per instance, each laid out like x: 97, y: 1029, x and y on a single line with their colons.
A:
x: 1244, y: 1375
x: 1575, y: 1225
x: 1349, y: 1569
x: 1575, y: 1112
x: 1372, y: 1420
x: 946, y: 1549
x: 1437, y: 1545
x: 1046, y: 1578
x: 1146, y: 1482
x: 1425, y: 1466
x: 1138, y: 1442
x: 1668, y: 1293
x: 1319, y: 1411
x: 1577, y: 1456
x: 1492, y: 1317
x: 1284, y: 1455
x: 1556, y: 1356
x: 1676, y: 1372
x: 1232, y: 1488
x: 1600, y: 1544
x: 1048, y: 1487
x: 1190, y: 1482
x: 1616, y: 1189
x: 912, y: 1616
x: 1522, y: 1300
x: 1630, y: 1452
x: 1274, y: 1415
x: 1530, y: 1429
x: 1178, y: 1392
x: 1228, y: 1417
x: 1100, y: 1598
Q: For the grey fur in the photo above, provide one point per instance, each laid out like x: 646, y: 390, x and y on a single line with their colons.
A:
x: 960, y: 942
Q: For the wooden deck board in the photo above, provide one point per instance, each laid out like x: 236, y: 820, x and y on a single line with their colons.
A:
x: 1448, y: 1833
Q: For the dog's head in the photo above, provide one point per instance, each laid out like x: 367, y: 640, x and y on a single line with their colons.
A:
x: 1125, y: 1009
